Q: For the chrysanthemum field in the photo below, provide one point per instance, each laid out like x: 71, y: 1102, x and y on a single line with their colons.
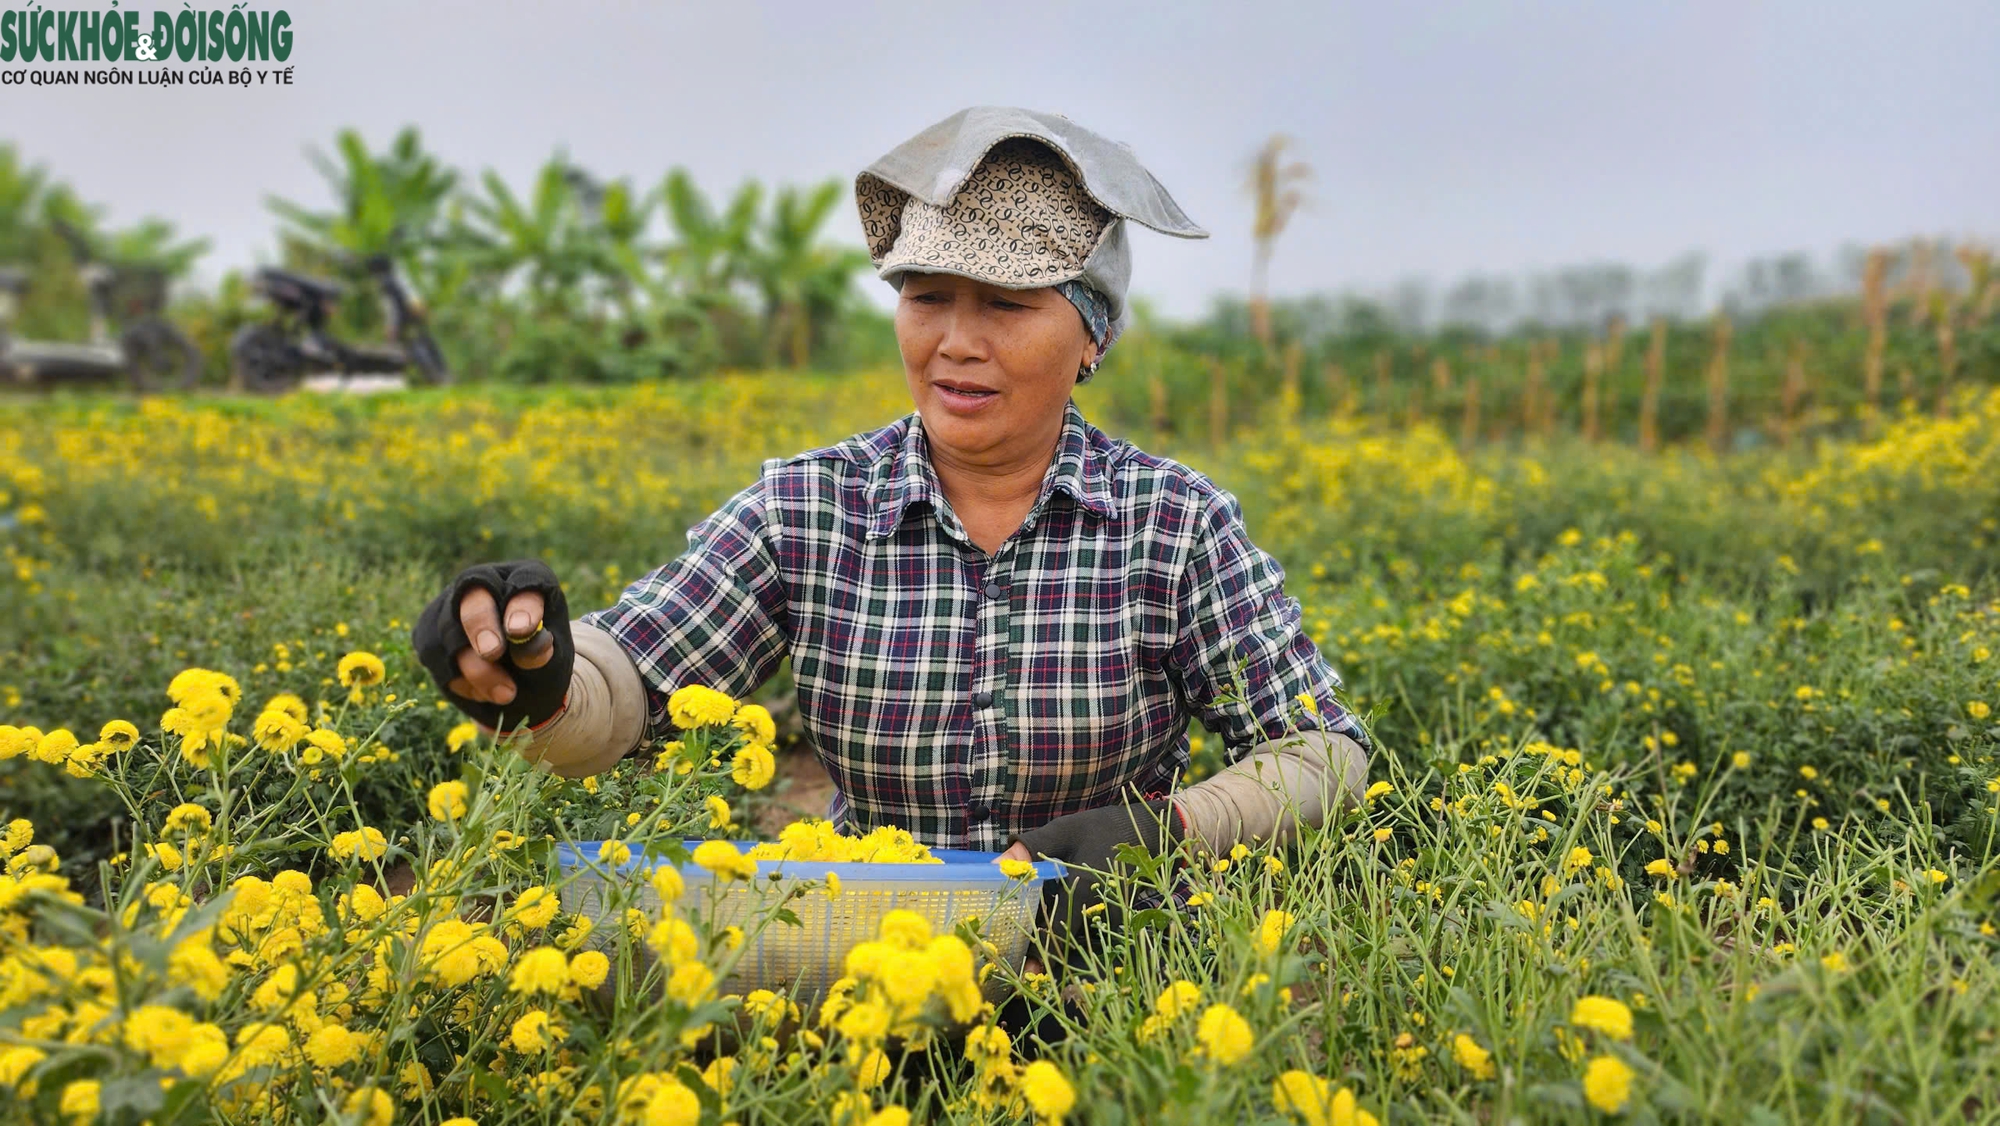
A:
x: 1686, y: 808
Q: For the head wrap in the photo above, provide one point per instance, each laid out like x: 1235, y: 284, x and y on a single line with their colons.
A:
x: 1018, y: 199
x: 1096, y: 313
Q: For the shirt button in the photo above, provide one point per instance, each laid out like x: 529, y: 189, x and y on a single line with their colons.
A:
x: 977, y: 813
x: 982, y: 699
x: 995, y: 591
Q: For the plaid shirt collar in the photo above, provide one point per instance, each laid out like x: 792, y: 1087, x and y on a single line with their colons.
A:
x: 1079, y: 469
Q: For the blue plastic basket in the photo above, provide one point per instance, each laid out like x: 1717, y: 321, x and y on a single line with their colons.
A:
x: 811, y: 956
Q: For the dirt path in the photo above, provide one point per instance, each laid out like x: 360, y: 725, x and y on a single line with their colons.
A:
x: 802, y: 789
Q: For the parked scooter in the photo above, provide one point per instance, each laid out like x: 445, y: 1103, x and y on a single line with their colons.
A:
x: 148, y: 350
x: 277, y: 354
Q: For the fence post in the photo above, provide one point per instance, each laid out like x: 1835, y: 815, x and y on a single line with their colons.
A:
x: 1468, y: 424
x: 1942, y: 315
x: 1718, y: 387
x: 1593, y: 371
x: 1875, y: 311
x: 1551, y: 355
x: 1656, y: 372
x: 1531, y: 395
x: 1334, y: 377
x: 1414, y: 409
x: 1218, y: 403
x: 1790, y: 394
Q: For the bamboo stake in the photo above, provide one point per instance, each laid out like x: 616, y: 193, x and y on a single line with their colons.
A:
x: 1718, y: 387
x: 1218, y: 404
x: 1294, y: 355
x: 1163, y: 418
x: 1656, y: 371
x: 1614, y: 345
x: 1383, y: 363
x: 1790, y: 394
x: 1441, y: 375
x: 1531, y: 395
x: 1551, y: 355
x: 1593, y: 371
x: 1875, y: 311
x: 1339, y: 392
x: 1980, y: 291
x: 1468, y: 424
x: 1920, y: 279
x: 1942, y: 316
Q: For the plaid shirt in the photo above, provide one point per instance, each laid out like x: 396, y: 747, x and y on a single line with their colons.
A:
x: 964, y: 696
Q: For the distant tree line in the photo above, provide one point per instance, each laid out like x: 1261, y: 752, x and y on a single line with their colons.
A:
x: 574, y: 277
x: 569, y: 278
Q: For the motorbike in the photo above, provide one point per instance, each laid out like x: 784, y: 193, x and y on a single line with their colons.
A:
x: 148, y: 350
x: 275, y: 355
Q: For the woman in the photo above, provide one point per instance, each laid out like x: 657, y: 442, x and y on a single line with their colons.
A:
x: 999, y: 619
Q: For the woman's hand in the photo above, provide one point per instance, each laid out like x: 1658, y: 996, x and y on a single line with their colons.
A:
x: 499, y: 670
x: 1091, y: 839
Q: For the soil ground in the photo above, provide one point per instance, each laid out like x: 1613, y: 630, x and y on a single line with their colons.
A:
x: 802, y: 789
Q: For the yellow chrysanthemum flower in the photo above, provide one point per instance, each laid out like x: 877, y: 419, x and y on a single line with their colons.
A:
x: 588, y: 969
x: 1048, y: 1092
x: 719, y: 814
x: 1603, y: 1014
x: 1477, y: 1061
x: 535, y: 1031
x: 1271, y: 931
x: 1224, y: 1035
x: 753, y: 767
x: 360, y: 669
x: 541, y: 970
x: 697, y: 705
x: 365, y: 843
x: 725, y: 860
x: 1607, y: 1083
x: 118, y: 735
x: 447, y: 801
x: 1176, y: 999
x: 534, y: 907
x: 755, y: 721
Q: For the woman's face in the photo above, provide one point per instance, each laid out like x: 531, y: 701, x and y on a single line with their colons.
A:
x: 990, y: 369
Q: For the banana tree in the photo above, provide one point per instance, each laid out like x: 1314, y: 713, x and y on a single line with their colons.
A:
x: 805, y: 282
x: 544, y: 240
x: 21, y: 192
x: 392, y: 203
x: 707, y: 263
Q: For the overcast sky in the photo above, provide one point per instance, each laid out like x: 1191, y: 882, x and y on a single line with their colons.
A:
x: 1447, y: 137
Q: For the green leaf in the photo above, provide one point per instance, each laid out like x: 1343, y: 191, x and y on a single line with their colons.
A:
x: 139, y: 1094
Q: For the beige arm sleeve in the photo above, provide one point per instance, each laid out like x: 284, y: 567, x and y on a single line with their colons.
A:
x: 605, y: 716
x: 1271, y: 790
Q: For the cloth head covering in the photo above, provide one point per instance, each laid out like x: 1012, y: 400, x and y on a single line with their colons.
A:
x: 1095, y: 309
x: 1019, y: 199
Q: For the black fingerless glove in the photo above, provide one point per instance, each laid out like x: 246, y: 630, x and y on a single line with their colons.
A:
x: 1091, y: 839
x: 439, y: 636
